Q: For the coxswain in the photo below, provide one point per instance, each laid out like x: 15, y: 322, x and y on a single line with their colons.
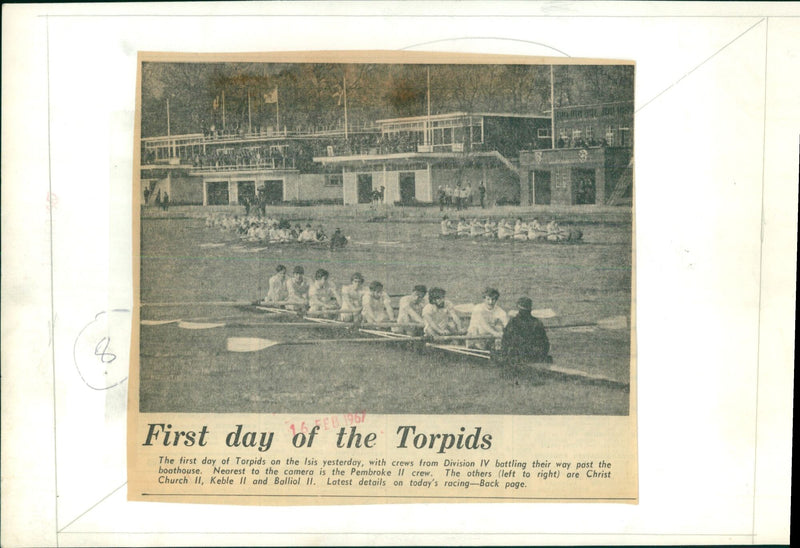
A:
x: 338, y: 240
x: 376, y: 306
x: 524, y: 338
x: 277, y: 292
x: 322, y: 296
x: 351, y: 296
x: 410, y: 311
x: 297, y: 288
x: 439, y: 315
x: 487, y: 319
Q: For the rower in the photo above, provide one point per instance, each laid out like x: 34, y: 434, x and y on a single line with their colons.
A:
x: 524, y: 338
x: 475, y: 228
x: 439, y: 315
x: 504, y: 230
x: 463, y: 227
x: 376, y: 307
x: 444, y: 227
x: 535, y: 230
x: 307, y: 235
x: 297, y: 288
x: 487, y: 319
x: 554, y: 232
x: 489, y: 229
x: 520, y: 230
x: 411, y: 310
x: 278, y: 292
x: 351, y: 298
x: 322, y: 296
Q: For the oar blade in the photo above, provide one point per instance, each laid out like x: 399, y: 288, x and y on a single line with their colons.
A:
x: 248, y: 344
x: 158, y: 322
x: 614, y: 322
x: 197, y: 325
x: 542, y: 313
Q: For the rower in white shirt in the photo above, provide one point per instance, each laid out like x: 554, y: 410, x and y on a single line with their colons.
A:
x: 322, y: 295
x: 351, y: 298
x: 445, y: 229
x: 504, y: 230
x: 520, y: 230
x: 410, y: 311
x: 297, y: 287
x: 463, y: 227
x: 439, y: 314
x: 487, y: 319
x: 307, y: 235
x: 476, y: 228
x: 376, y: 307
x: 278, y: 293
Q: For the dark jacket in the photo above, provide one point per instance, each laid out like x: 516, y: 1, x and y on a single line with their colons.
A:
x: 524, y: 340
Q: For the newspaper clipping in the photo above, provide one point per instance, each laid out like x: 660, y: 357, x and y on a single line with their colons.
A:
x: 374, y: 277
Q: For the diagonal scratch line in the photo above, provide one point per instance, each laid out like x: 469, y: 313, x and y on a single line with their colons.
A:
x: 92, y: 507
x: 760, y: 277
x: 706, y: 60
x: 485, y: 38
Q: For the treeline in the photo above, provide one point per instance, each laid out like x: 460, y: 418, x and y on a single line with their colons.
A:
x: 311, y: 96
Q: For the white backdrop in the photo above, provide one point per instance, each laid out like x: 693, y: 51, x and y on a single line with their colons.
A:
x: 716, y: 203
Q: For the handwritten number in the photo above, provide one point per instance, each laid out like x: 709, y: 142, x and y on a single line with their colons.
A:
x: 105, y: 356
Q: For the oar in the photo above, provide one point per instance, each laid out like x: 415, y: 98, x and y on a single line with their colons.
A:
x: 200, y: 303
x: 254, y: 344
x: 613, y: 322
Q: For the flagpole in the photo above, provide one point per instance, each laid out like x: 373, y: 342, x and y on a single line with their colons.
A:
x: 168, y: 131
x: 249, y: 114
x: 428, y: 119
x: 223, y: 110
x: 345, y: 105
x: 277, y: 111
x: 552, y: 111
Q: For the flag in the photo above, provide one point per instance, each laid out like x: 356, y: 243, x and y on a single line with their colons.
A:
x: 271, y: 97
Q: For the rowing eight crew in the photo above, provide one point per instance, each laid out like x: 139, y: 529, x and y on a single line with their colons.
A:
x: 504, y: 230
x: 522, y: 337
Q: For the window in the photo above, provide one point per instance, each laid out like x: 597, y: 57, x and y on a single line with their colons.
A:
x: 576, y: 134
x: 610, y: 136
x: 333, y: 179
x: 543, y: 133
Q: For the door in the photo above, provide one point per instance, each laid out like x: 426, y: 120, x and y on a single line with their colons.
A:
x: 273, y: 191
x: 364, y: 188
x: 583, y: 186
x: 408, y: 188
x: 541, y: 187
x: 217, y: 193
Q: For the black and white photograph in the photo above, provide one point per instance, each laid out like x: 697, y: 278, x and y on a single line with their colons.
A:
x: 396, y: 238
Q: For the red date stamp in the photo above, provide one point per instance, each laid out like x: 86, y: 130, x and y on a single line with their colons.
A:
x: 328, y: 423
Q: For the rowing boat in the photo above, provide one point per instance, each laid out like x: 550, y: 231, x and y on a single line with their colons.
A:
x: 495, y: 240
x: 441, y: 344
x: 384, y: 330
